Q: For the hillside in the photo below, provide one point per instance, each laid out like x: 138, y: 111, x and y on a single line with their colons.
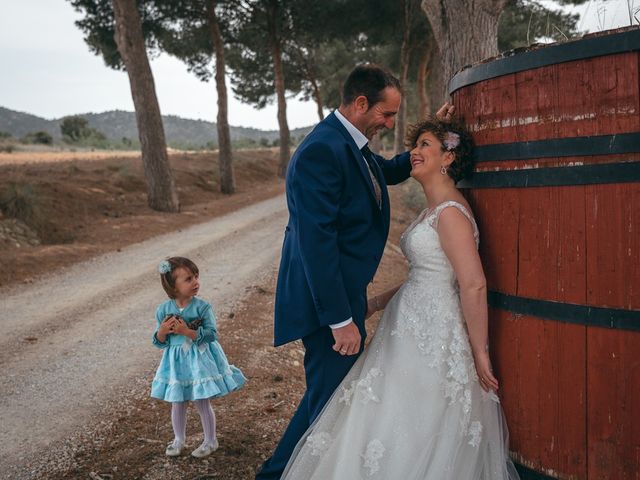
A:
x: 117, y: 124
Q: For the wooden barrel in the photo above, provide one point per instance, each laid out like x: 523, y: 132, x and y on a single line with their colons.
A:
x: 557, y: 199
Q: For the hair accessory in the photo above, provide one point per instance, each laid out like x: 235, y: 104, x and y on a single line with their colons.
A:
x: 451, y: 140
x: 164, y: 267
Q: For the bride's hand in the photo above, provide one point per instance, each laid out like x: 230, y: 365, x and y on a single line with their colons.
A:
x: 485, y: 372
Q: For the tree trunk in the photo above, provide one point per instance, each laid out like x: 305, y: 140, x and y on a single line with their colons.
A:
x: 401, y: 118
x: 225, y: 155
x: 405, y: 58
x: 401, y: 126
x: 276, y: 53
x: 466, y: 30
x: 161, y: 189
x: 317, y: 96
x: 308, y: 61
x: 424, y: 103
x: 436, y: 85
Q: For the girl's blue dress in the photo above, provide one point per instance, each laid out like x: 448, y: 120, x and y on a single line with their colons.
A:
x: 193, y: 370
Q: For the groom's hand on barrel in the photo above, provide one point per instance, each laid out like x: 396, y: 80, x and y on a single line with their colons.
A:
x: 445, y: 113
x: 347, y: 339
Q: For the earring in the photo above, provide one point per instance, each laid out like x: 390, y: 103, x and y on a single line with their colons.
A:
x: 443, y: 170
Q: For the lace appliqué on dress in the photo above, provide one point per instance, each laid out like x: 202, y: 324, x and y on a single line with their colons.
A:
x: 433, y: 216
x: 363, y: 387
x: 434, y: 318
x: 490, y: 395
x: 374, y: 452
x: 475, y: 433
x: 319, y: 443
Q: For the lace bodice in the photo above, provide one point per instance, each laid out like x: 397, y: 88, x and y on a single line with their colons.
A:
x: 421, y: 245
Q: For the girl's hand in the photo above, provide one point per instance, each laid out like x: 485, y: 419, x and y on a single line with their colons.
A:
x: 180, y: 326
x: 167, y: 326
x: 485, y: 372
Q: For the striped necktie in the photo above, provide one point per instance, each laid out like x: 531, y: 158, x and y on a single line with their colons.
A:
x: 368, y: 156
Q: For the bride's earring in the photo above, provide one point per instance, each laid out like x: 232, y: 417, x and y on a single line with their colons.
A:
x: 443, y: 170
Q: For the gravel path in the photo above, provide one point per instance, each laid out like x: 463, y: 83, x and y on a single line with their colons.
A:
x: 73, y: 339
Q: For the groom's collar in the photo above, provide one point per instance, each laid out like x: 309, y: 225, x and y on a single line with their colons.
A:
x: 358, y: 137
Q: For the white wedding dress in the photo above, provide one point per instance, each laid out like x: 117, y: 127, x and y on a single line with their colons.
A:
x: 411, y: 407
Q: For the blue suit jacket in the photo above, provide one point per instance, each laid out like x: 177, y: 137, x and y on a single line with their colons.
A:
x: 336, y: 232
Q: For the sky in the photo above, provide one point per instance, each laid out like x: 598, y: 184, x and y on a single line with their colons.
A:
x: 48, y: 70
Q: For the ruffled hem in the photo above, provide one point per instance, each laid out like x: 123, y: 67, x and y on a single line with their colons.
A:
x: 173, y: 390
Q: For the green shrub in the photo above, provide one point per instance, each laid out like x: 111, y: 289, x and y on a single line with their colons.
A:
x: 7, y: 147
x: 41, y: 137
x: 74, y: 128
x: 21, y: 201
x: 24, y: 202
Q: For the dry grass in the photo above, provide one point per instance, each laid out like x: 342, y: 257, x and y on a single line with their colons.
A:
x: 20, y: 158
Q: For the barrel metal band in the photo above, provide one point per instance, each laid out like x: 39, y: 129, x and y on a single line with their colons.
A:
x: 628, y: 172
x: 628, y: 41
x: 529, y: 474
x: 560, y: 147
x: 615, y: 318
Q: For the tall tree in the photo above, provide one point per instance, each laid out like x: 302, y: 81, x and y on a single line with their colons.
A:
x: 320, y: 32
x: 225, y: 155
x: 466, y: 31
x: 275, y: 29
x: 257, y: 58
x: 423, y: 73
x: 194, y: 31
x: 415, y: 32
x: 116, y: 31
x: 162, y: 191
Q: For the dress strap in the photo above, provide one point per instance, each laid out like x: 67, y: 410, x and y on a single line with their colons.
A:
x: 434, y: 215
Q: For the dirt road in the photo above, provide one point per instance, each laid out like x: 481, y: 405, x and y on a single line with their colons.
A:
x: 71, y: 341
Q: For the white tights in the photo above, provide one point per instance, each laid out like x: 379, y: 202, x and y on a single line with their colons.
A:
x: 207, y: 417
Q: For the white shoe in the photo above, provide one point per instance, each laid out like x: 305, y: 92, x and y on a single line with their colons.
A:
x: 174, y: 449
x: 205, y: 449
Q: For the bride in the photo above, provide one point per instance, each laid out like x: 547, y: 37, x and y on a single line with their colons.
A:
x: 421, y: 403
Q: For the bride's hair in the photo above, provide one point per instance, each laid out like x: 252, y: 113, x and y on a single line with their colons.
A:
x: 454, y: 137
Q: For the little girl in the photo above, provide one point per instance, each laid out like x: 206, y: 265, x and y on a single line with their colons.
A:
x: 193, y: 365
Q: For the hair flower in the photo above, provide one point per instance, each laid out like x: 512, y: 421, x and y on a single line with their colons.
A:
x: 451, y: 140
x: 164, y: 267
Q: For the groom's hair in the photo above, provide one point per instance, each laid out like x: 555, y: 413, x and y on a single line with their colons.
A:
x: 369, y: 80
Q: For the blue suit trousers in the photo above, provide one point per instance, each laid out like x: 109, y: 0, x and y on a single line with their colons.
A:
x: 324, y: 370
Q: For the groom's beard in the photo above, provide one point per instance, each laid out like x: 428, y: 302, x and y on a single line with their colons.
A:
x: 372, y: 132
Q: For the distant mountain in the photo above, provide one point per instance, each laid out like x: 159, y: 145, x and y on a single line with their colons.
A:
x: 117, y: 124
x: 19, y: 124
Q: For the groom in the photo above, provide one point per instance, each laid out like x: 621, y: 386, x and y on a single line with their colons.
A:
x: 338, y: 225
